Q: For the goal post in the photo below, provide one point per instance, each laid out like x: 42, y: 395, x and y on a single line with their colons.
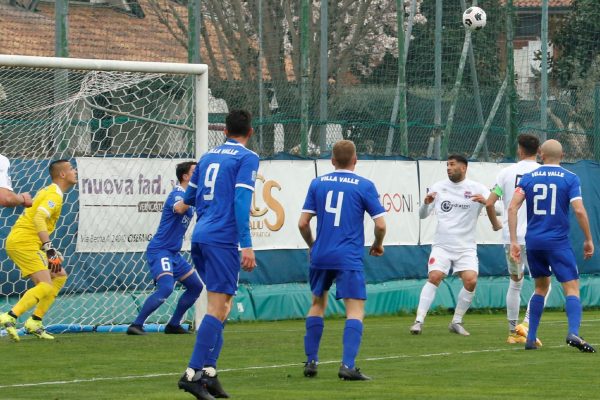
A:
x: 125, y: 125
x: 200, y: 71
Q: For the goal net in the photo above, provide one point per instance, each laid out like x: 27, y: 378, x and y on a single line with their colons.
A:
x: 125, y: 125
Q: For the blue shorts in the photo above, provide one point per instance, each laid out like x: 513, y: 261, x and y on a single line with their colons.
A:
x: 349, y: 284
x: 167, y: 262
x: 219, y: 267
x: 562, y: 262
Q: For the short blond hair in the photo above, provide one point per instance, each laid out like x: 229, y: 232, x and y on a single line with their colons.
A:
x: 344, y: 152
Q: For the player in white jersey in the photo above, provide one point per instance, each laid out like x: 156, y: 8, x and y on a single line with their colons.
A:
x: 457, y: 202
x: 8, y: 198
x: 506, y: 182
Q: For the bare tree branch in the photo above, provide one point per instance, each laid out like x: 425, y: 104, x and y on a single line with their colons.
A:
x: 163, y: 18
x: 347, y: 54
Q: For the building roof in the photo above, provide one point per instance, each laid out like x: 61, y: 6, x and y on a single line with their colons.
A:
x: 103, y: 32
x: 99, y: 32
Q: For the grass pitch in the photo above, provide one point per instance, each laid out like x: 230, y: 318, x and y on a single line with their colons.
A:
x: 264, y: 361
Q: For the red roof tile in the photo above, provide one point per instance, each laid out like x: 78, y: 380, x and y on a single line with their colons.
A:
x: 100, y: 32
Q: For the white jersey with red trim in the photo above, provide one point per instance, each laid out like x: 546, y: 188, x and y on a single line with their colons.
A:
x: 456, y: 213
x: 506, y: 182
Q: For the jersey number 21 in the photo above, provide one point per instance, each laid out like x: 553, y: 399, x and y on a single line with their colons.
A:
x: 541, y: 194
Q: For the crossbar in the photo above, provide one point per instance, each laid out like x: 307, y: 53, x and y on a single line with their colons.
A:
x: 102, y: 65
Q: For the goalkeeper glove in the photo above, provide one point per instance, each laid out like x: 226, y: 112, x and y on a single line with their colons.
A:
x: 55, y: 258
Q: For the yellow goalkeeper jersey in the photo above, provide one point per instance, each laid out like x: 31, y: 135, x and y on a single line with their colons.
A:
x: 23, y: 235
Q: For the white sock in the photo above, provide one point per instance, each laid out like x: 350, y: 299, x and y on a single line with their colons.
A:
x: 513, y: 302
x: 427, y: 296
x: 526, y: 318
x: 465, y: 298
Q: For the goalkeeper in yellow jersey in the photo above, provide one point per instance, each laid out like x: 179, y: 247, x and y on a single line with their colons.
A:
x: 28, y: 245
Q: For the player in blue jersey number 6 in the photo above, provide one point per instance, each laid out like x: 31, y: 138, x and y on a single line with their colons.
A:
x: 548, y: 191
x: 166, y: 263
x: 339, y: 200
x: 221, y: 189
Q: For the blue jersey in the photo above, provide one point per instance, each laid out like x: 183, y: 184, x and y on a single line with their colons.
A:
x: 549, y: 190
x: 218, y: 173
x: 172, y: 226
x: 339, y: 200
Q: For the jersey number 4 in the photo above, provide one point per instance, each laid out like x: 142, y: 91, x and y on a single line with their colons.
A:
x: 337, y: 210
x: 539, y: 199
x: 210, y: 179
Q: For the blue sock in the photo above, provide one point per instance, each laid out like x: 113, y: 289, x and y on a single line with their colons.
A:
x: 164, y: 288
x: 193, y: 287
x: 206, y: 338
x: 312, y: 339
x: 573, y: 307
x: 536, y: 307
x: 352, y: 337
x: 213, y: 355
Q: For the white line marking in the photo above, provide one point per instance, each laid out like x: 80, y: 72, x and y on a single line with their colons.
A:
x: 297, y: 364
x: 392, y: 357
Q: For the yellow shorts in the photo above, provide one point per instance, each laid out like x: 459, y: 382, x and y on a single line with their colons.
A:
x: 28, y: 261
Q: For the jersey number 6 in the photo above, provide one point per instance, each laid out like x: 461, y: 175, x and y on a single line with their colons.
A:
x: 165, y: 264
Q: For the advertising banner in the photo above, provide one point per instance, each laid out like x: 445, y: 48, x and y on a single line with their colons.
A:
x: 120, y: 202
x: 279, y: 194
x: 397, y: 184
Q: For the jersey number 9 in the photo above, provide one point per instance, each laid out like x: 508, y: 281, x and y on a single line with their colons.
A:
x: 210, y: 179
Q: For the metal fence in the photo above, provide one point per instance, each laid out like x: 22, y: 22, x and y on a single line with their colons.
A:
x: 315, y: 72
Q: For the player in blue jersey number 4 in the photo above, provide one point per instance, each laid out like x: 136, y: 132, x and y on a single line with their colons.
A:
x: 166, y: 263
x: 548, y: 191
x: 339, y: 200
x: 221, y: 189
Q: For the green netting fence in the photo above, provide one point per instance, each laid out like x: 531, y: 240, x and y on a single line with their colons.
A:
x: 313, y: 72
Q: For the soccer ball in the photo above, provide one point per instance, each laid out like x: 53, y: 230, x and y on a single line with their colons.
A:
x: 474, y: 18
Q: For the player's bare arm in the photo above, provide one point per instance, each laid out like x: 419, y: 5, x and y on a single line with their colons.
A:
x: 584, y: 224
x: 513, y: 209
x: 429, y: 198
x: 490, y: 207
x: 8, y: 198
x: 479, y: 198
x: 304, y: 227
x: 248, y: 259
x: 424, y: 210
x: 377, y: 246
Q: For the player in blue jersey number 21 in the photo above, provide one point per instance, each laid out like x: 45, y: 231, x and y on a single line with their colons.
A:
x: 548, y: 191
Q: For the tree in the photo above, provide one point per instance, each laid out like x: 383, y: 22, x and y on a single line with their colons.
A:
x: 577, y: 69
x: 578, y: 40
x: 361, y: 33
